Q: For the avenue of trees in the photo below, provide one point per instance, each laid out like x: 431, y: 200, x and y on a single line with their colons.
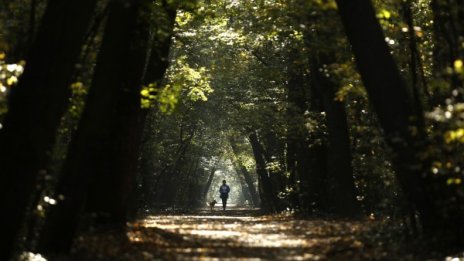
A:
x: 114, y: 108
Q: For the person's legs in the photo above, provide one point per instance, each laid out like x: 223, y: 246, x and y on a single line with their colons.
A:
x: 224, y: 203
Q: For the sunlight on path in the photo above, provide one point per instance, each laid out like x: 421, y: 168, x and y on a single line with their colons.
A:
x: 240, y: 234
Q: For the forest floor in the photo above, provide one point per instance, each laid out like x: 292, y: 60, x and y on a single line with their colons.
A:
x: 245, y: 234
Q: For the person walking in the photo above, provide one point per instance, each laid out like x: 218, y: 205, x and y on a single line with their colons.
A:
x: 224, y: 191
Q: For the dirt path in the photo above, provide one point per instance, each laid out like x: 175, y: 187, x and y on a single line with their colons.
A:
x: 238, y: 234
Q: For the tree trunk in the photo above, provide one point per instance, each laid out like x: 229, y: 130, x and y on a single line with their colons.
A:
x: 415, y: 62
x: 312, y: 170
x: 88, y: 152
x: 147, y: 64
x: 340, y: 181
x: 36, y: 105
x: 392, y: 102
x: 269, y: 198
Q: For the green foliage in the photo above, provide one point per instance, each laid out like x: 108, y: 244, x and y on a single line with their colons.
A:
x: 183, y: 83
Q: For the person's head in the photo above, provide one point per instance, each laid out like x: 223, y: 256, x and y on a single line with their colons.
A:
x: 224, y: 182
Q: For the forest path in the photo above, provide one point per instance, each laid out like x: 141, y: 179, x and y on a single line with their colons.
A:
x: 240, y: 234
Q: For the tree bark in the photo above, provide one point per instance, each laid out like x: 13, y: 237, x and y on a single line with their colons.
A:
x: 415, y: 62
x: 149, y: 61
x: 36, y: 105
x: 88, y: 151
x: 340, y: 180
x: 269, y: 198
x: 296, y: 130
x: 392, y: 102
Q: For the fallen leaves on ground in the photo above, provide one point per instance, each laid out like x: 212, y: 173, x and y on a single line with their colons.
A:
x: 240, y: 234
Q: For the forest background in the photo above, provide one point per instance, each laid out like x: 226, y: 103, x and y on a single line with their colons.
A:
x: 110, y: 108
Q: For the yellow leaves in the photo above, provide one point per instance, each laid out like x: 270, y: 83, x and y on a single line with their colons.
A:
x: 9, y: 73
x: 343, y: 92
x: 11, y: 80
x: 297, y: 35
x: 458, y: 66
x: 453, y: 181
x: 145, y: 92
x: 197, y: 94
x: 147, y: 96
x: 183, y: 82
x: 183, y: 18
x: 326, y: 5
x: 454, y: 136
x: 78, y: 88
x: 168, y: 98
x: 384, y: 14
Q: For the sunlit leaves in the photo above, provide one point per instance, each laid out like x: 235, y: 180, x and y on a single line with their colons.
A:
x: 78, y: 93
x: 9, y: 76
x: 168, y: 97
x: 454, y: 181
x: 183, y: 18
x: 458, y: 66
x: 454, y: 136
x: 384, y: 14
x: 9, y: 73
x: 184, y: 83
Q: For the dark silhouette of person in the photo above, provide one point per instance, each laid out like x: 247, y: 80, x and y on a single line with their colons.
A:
x: 224, y: 191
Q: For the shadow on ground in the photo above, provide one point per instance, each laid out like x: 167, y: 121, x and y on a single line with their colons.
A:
x: 235, y: 234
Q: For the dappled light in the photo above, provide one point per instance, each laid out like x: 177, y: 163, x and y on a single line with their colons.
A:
x: 231, y: 130
x: 242, y: 233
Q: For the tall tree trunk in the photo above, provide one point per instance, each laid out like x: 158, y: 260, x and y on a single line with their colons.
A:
x: 246, y: 175
x: 312, y: 176
x: 167, y: 180
x: 340, y: 180
x: 415, y: 62
x: 269, y: 198
x: 148, y: 62
x: 36, y: 106
x: 296, y: 149
x: 183, y: 183
x: 88, y: 151
x: 392, y: 102
x: 32, y: 22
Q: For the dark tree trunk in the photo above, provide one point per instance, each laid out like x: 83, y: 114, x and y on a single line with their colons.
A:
x: 392, y: 101
x: 312, y: 176
x: 88, y: 151
x: 182, y: 194
x: 269, y: 199
x: 340, y: 180
x: 297, y: 145
x: 32, y: 22
x: 166, y: 184
x: 415, y: 62
x: 36, y: 106
x: 313, y: 194
x: 116, y: 183
x: 246, y: 175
